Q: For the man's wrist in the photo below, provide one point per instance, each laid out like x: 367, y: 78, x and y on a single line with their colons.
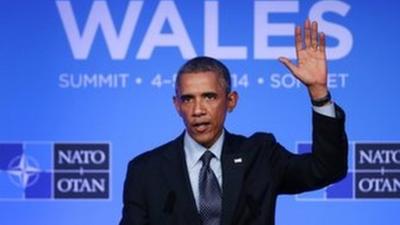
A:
x: 323, y: 100
x: 326, y: 110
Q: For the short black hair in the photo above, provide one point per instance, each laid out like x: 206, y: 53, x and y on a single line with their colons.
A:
x: 206, y: 64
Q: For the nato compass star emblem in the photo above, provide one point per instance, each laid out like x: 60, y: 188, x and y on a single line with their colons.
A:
x: 23, y: 171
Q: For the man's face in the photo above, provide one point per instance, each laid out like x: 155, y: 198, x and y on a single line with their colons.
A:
x: 202, y: 102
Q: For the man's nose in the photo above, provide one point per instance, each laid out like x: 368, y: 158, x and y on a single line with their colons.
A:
x: 198, y: 109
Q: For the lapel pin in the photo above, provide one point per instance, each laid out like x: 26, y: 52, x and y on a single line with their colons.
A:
x: 238, y: 160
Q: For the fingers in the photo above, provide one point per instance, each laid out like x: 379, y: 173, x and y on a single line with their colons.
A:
x: 312, y: 38
x: 307, y: 33
x: 322, y: 42
x: 298, y: 40
x: 314, y: 35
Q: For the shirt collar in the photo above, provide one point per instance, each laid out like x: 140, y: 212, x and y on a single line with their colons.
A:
x: 194, y: 150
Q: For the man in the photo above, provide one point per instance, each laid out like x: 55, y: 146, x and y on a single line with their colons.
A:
x: 209, y: 176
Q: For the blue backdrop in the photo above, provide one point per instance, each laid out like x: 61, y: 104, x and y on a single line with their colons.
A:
x: 86, y: 84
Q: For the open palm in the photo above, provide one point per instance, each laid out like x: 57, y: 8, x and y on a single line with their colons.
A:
x: 311, y: 69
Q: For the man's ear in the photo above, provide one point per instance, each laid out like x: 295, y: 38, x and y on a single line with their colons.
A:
x: 233, y: 98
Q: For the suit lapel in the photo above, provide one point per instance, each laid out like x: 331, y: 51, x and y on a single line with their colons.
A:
x: 175, y: 171
x: 233, y: 164
x: 233, y: 167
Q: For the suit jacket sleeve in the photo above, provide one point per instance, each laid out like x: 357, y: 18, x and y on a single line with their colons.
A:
x: 326, y: 164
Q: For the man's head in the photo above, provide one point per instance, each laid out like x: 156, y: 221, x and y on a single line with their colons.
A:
x: 206, y: 64
x: 203, y: 97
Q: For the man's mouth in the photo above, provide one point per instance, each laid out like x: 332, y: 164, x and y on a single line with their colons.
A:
x: 201, y: 127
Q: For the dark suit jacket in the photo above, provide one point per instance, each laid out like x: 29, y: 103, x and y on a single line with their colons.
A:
x: 157, y: 188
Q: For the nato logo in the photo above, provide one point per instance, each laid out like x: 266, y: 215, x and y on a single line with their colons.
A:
x: 45, y: 170
x: 374, y: 173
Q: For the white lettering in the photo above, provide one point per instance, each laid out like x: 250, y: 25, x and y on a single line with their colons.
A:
x: 335, y: 80
x: 166, y: 12
x: 83, y: 80
x: 263, y: 29
x: 79, y: 185
x: 99, y: 16
x: 379, y: 156
x: 211, y: 36
x: 81, y: 157
x: 286, y: 81
x: 379, y: 185
x: 342, y: 34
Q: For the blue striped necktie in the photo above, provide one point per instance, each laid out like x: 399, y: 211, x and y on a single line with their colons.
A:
x: 209, y: 193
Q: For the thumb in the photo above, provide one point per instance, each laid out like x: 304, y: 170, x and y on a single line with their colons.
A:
x: 292, y: 67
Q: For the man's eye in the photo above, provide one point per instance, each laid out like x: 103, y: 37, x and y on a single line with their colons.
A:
x: 210, y: 96
x: 186, y: 99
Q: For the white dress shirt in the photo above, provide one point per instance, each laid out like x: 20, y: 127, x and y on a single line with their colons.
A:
x: 193, y: 153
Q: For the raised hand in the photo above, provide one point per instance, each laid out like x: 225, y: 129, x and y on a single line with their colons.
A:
x: 311, y: 68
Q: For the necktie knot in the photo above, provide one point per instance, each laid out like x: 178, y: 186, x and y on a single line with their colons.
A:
x: 206, y: 158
